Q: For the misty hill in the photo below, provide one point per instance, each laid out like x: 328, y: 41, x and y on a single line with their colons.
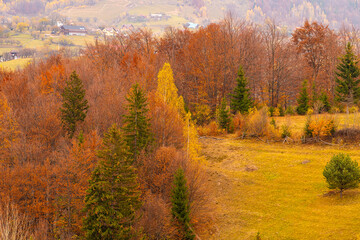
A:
x: 291, y: 13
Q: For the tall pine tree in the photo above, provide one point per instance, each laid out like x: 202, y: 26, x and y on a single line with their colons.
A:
x: 347, y: 78
x: 180, y: 205
x: 136, y: 123
x: 113, y: 196
x: 303, y: 100
x: 240, y: 99
x: 75, y: 106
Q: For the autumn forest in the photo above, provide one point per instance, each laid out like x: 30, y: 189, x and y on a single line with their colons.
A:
x: 106, y: 145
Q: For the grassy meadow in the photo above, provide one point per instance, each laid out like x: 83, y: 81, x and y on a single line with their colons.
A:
x: 15, y: 64
x: 278, y: 189
x: 27, y: 41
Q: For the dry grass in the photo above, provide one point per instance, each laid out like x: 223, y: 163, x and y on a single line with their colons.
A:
x: 279, y: 191
x: 298, y: 122
x: 15, y: 64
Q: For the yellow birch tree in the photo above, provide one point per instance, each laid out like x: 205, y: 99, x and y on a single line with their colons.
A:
x: 168, y: 91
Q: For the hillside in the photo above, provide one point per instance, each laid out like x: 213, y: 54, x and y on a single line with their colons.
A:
x: 290, y: 13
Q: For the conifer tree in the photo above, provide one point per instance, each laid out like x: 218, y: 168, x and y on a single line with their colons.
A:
x: 180, y: 205
x: 240, y: 99
x: 303, y: 100
x: 137, y: 125
x: 113, y: 196
x: 75, y: 106
x: 324, y: 99
x: 342, y: 173
x: 223, y: 115
x: 347, y: 78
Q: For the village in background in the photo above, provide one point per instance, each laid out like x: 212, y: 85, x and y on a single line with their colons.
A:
x: 39, y: 28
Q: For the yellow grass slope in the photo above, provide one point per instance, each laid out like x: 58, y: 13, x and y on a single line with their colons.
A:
x: 278, y: 190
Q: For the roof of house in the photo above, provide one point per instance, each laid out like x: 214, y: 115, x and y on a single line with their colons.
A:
x: 192, y: 25
x: 71, y: 27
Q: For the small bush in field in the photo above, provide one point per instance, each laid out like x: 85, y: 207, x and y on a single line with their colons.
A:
x: 209, y: 130
x: 231, y: 126
x: 354, y: 109
x: 342, y: 173
x: 310, y: 111
x: 273, y: 123
x: 271, y: 111
x: 281, y: 111
x: 257, y: 123
x: 285, y: 131
x: 289, y: 110
x: 334, y: 110
x: 239, y: 121
x: 323, y: 126
x: 276, y: 112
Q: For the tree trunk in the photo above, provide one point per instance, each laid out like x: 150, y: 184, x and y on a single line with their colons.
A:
x: 341, y: 191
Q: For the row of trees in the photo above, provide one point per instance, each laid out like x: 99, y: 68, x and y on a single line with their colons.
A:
x: 347, y: 89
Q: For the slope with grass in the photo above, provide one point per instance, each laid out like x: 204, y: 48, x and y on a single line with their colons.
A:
x: 15, y: 64
x: 279, y: 191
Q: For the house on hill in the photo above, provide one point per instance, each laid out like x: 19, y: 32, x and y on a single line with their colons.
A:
x: 73, y: 30
x: 191, y: 25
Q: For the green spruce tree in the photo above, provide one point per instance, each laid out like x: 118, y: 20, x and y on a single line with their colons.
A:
x: 303, y: 100
x: 347, y: 78
x: 223, y: 115
x: 342, y: 173
x: 240, y: 99
x: 325, y: 101
x: 74, y: 107
x: 112, y: 197
x: 136, y: 123
x: 180, y: 205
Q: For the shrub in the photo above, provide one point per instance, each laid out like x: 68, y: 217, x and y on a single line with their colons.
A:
x: 342, y: 173
x: 257, y: 123
x: 273, y: 123
x: 209, y: 130
x: 231, y: 126
x: 354, y: 109
x: 323, y: 126
x: 238, y: 121
x: 289, y: 110
x: 281, y: 111
x: 285, y: 131
x: 310, y: 111
x: 271, y: 111
x: 276, y: 112
x: 334, y: 110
